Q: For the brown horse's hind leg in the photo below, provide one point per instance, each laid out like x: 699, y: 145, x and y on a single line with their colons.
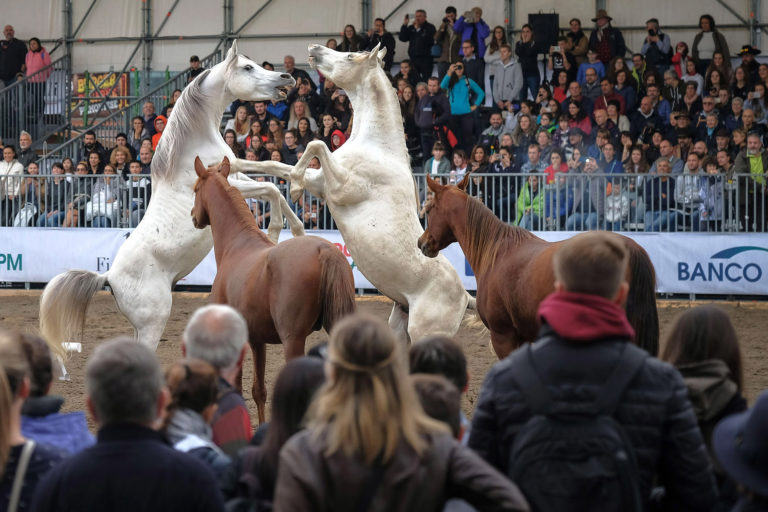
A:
x: 259, y: 389
x: 503, y: 344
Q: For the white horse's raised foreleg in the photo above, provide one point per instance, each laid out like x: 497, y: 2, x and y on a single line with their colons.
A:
x: 335, y: 175
x: 278, y: 169
x: 279, y: 207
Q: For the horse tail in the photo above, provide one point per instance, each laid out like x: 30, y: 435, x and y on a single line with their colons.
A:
x: 337, y: 286
x: 64, y: 303
x: 472, y: 320
x: 641, y: 302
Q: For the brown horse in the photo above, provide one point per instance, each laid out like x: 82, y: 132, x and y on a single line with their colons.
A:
x: 284, y: 291
x: 514, y: 270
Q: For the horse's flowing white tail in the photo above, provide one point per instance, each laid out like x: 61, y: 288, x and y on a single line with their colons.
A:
x: 64, y: 303
x: 472, y: 320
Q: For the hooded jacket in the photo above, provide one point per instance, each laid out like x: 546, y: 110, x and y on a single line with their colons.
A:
x: 158, y: 133
x: 581, y: 339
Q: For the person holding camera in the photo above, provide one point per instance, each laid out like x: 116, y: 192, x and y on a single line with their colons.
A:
x: 420, y: 37
x: 657, y: 47
x: 449, y: 42
x: 472, y: 28
x: 560, y: 58
x: 459, y: 87
x: 526, y: 52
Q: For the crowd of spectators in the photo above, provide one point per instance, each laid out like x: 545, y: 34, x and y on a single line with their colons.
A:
x: 592, y: 120
x: 579, y: 419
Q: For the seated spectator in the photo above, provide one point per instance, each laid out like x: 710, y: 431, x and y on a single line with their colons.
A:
x: 617, y: 207
x: 503, y: 187
x: 645, y: 120
x: 687, y: 193
x: 119, y: 160
x: 530, y: 205
x: 290, y: 67
x: 575, y: 142
x: 218, y: 334
x: 239, y: 124
x: 438, y: 164
x: 25, y: 154
x: 557, y: 165
x: 591, y: 86
x: 279, y: 110
x: 703, y: 346
x: 588, y: 199
x: 41, y: 419
x: 194, y: 386
x: 29, y: 197
x: 626, y: 88
x: 341, y: 110
x: 253, y: 475
x: 327, y: 128
x: 489, y: 138
x: 740, y: 446
x: 559, y: 202
x: 579, y: 118
x: 300, y: 110
x: 523, y: 136
x: 130, y: 467
x: 584, y: 355
x: 576, y: 94
x: 145, y: 158
x: 659, y: 192
x: 360, y: 447
x: 136, y: 195
x: 81, y: 184
x: 104, y: 208
x: 10, y: 187
x: 23, y: 461
x: 291, y: 150
x: 54, y: 202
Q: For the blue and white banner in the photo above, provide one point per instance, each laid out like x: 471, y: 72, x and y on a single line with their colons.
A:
x: 700, y: 263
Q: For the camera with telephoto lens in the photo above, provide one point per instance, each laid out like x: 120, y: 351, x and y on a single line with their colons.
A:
x: 469, y: 17
x: 651, y: 32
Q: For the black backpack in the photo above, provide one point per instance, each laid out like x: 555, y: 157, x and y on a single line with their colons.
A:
x: 576, y: 462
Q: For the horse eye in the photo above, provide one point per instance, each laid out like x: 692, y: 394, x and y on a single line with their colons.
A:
x: 350, y: 56
x: 248, y: 67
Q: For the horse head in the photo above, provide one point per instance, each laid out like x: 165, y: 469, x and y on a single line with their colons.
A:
x: 345, y: 69
x: 218, y: 172
x: 246, y: 80
x: 446, y: 208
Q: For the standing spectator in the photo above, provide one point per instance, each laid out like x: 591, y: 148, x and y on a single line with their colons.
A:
x: 474, y: 66
x: 579, y: 41
x: 459, y: 87
x: 351, y: 41
x: 420, y: 37
x: 740, y: 446
x: 36, y: 60
x: 195, y: 68
x: 748, y: 62
x: 148, y: 109
x: 508, y: 79
x: 606, y: 40
x: 22, y: 459
x: 680, y: 58
x: 562, y: 60
x: 13, y: 53
x: 708, y: 41
x: 584, y: 355
x: 131, y: 467
x: 432, y: 115
x: 290, y: 67
x: 369, y: 441
x: 525, y: 49
x: 752, y: 161
x: 493, y: 54
x: 25, y: 155
x: 218, y: 334
x: 449, y: 41
x: 379, y: 35
x: 473, y: 28
x: 41, y: 419
x: 659, y: 192
x: 657, y: 47
x: 10, y: 186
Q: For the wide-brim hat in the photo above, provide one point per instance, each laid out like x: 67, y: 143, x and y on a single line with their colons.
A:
x: 601, y: 13
x: 741, y: 445
x: 748, y: 49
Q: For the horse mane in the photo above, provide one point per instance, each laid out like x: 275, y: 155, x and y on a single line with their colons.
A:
x: 184, y: 120
x: 486, y: 234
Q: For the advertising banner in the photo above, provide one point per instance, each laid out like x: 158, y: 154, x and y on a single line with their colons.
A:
x: 700, y: 263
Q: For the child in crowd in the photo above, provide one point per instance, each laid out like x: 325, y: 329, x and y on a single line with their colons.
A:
x: 438, y: 164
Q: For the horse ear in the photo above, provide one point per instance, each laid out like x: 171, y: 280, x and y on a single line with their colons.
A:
x: 433, y: 185
x: 374, y: 53
x: 199, y: 167
x: 224, y: 169
x: 462, y: 185
x: 382, y: 54
x: 232, y: 52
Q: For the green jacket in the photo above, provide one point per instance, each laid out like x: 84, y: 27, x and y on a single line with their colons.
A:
x: 524, y: 200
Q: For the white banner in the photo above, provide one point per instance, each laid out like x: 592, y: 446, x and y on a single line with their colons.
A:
x: 700, y: 263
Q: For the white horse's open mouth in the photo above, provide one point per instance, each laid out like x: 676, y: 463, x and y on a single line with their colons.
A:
x: 282, y: 91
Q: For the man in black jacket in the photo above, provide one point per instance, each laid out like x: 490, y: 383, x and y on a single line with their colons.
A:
x: 131, y: 467
x: 584, y: 334
x: 420, y: 37
x: 432, y: 114
x: 379, y: 35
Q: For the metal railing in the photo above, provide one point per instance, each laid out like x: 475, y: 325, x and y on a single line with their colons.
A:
x: 107, y: 128
x: 570, y: 202
x: 39, y: 103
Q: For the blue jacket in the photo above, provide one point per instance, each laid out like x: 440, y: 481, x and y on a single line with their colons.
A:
x: 42, y: 422
x: 465, y: 29
x: 458, y: 95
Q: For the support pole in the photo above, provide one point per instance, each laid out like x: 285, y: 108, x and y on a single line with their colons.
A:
x: 146, y: 35
x: 68, y: 44
x: 754, y: 18
x: 366, y: 22
x: 509, y: 17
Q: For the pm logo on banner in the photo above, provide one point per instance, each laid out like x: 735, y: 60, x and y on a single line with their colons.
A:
x: 742, y: 264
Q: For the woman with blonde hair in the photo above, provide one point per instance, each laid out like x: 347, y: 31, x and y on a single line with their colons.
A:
x: 23, y: 462
x: 300, y: 110
x: 120, y: 158
x: 240, y: 124
x: 370, y: 446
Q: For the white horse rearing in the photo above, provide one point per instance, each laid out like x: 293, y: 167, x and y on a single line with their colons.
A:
x: 165, y: 246
x: 369, y: 188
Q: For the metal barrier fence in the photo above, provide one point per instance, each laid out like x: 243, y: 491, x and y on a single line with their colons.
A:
x: 570, y: 202
x: 107, y: 128
x: 38, y: 104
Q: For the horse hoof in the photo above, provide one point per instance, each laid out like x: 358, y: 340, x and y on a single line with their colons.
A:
x: 296, y: 192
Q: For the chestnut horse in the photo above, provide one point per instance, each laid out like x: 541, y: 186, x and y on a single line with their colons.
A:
x: 513, y: 268
x: 284, y: 291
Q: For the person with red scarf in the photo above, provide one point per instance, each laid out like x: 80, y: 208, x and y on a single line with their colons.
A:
x: 584, y: 336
